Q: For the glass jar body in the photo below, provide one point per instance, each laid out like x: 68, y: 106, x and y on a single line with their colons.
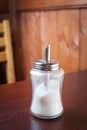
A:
x: 47, y: 93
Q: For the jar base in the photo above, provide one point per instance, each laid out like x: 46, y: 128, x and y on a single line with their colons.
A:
x: 47, y: 117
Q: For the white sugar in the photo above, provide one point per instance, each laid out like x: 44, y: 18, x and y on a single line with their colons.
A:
x: 47, y: 100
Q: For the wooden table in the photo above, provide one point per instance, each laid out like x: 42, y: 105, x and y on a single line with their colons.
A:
x: 15, y: 102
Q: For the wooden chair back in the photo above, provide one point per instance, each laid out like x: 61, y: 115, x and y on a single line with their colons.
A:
x: 7, y: 54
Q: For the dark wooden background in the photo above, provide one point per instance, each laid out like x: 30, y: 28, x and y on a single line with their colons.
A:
x: 34, y: 24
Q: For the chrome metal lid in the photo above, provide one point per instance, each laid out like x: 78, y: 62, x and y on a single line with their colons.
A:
x: 46, y: 64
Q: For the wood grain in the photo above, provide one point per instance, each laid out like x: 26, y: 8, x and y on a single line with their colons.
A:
x: 3, y: 56
x: 15, y: 101
x: 68, y: 39
x: 17, y: 46
x: 2, y: 43
x: 10, y: 71
x: 30, y: 38
x: 23, y: 5
x: 83, y: 39
x: 60, y: 29
x: 63, y: 29
x: 1, y: 27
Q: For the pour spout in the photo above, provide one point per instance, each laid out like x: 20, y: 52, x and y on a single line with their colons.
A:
x: 47, y: 54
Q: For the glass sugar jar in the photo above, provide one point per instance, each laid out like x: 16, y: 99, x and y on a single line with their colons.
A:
x: 47, y: 79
